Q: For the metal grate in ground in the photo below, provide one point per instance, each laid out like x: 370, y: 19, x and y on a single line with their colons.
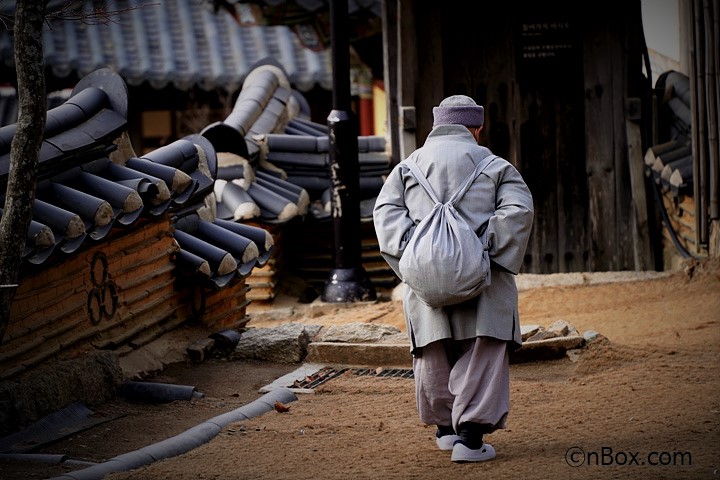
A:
x: 328, y: 373
x: 391, y: 372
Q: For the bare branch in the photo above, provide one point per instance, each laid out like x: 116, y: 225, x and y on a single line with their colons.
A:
x: 73, y: 10
x: 102, y: 15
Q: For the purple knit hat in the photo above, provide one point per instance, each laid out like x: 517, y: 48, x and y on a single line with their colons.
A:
x: 458, y: 110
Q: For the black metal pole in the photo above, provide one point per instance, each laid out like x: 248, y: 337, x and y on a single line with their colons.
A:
x: 348, y: 281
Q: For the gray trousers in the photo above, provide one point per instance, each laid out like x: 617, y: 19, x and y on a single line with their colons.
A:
x: 459, y: 381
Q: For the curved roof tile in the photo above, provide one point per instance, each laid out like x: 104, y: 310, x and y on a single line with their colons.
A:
x: 178, y: 42
x: 288, y: 154
x: 82, y: 194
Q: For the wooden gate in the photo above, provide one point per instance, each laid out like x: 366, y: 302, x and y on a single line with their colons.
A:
x: 555, y: 81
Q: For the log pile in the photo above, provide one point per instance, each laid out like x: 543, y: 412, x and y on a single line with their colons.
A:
x: 670, y: 162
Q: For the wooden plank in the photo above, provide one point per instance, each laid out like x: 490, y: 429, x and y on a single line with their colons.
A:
x: 392, y: 69
x: 539, y: 164
x: 685, y: 220
x: 682, y: 212
x: 545, y: 120
x: 268, y: 270
x: 261, y: 294
x: 376, y: 267
x: 407, y: 75
x: 677, y: 215
x: 429, y: 73
x: 623, y: 250
x: 572, y: 208
x: 686, y: 236
x: 598, y: 145
x: 687, y: 205
x: 642, y: 245
x: 268, y: 285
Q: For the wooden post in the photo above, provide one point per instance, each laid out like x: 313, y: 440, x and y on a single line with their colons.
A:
x: 390, y: 59
x: 642, y: 247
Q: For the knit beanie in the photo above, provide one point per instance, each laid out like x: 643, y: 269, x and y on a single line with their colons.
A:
x: 458, y: 110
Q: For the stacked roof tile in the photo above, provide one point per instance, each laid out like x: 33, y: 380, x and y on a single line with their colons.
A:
x: 302, y: 152
x: 274, y: 162
x: 274, y: 168
x: 670, y: 162
x: 90, y: 181
x: 265, y: 164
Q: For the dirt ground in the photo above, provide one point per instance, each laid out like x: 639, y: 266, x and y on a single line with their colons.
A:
x: 643, y: 401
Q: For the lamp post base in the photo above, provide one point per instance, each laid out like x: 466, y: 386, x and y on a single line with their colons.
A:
x: 348, y: 285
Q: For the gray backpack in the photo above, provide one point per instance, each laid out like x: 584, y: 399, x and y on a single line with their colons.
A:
x: 446, y: 262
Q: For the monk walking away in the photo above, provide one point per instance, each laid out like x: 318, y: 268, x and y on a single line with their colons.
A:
x: 461, y: 350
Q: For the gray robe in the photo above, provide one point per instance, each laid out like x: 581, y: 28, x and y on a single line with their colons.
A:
x: 498, y: 201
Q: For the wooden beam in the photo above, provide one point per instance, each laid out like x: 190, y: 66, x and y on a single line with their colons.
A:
x: 642, y: 246
x: 599, y: 146
x: 407, y: 73
x: 390, y: 60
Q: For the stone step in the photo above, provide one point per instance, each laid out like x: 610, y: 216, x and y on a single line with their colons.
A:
x: 360, y: 354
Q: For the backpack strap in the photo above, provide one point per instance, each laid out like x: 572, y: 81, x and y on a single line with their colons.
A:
x: 417, y: 173
x: 454, y: 198
x: 479, y: 168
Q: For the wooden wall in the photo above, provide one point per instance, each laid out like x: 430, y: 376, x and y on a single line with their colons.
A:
x: 119, y: 294
x: 554, y: 78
